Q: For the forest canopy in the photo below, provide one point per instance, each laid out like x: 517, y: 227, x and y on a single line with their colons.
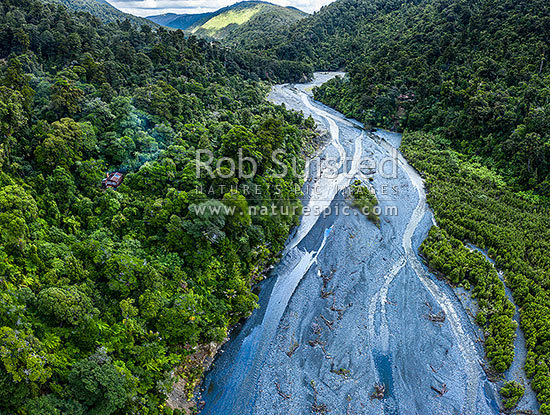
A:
x: 105, y: 292
x: 475, y: 72
x: 474, y: 204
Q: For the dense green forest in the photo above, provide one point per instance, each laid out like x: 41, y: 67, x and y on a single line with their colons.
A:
x: 473, y: 203
x: 105, y: 292
x: 335, y: 36
x: 103, y: 10
x: 474, y: 71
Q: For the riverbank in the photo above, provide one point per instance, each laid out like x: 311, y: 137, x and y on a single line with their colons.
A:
x: 516, y: 371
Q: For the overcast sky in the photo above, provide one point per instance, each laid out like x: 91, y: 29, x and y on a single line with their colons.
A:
x: 152, y: 7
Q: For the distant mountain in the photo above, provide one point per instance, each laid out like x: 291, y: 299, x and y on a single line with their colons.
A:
x: 103, y: 10
x: 179, y: 21
x: 234, y: 23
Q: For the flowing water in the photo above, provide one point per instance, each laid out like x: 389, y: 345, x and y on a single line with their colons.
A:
x: 346, y: 308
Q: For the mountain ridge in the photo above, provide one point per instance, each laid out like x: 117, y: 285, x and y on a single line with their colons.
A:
x: 233, y: 21
x: 177, y: 21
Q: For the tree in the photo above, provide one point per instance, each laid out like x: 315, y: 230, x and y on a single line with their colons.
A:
x: 241, y: 139
x: 90, y: 173
x: 23, y: 356
x: 16, y: 80
x: 66, y: 98
x: 12, y: 118
x: 52, y: 405
x: 179, y: 322
x: 62, y: 147
x: 65, y: 305
x: 17, y: 210
x: 208, y: 220
x: 98, y: 385
x: 513, y: 391
x: 14, y: 395
x: 239, y: 217
x: 61, y: 184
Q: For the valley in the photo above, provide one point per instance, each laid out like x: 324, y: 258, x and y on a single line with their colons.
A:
x: 303, y: 348
x: 345, y: 208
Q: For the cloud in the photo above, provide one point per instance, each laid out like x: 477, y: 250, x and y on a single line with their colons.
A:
x: 150, y: 7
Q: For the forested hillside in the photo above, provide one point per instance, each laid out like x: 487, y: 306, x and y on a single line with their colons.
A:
x: 238, y: 20
x: 245, y: 24
x: 271, y: 22
x: 474, y: 71
x: 103, y: 10
x: 105, y: 292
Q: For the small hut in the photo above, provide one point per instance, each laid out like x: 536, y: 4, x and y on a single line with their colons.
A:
x: 112, y: 180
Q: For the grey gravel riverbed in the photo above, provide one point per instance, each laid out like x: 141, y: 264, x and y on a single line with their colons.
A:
x: 348, y: 305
